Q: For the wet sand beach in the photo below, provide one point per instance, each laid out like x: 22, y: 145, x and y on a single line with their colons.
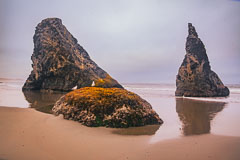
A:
x: 193, y: 128
x: 28, y: 134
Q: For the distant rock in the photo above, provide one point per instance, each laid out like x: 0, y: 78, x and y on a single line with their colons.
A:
x: 195, y: 77
x: 111, y: 107
x: 60, y: 63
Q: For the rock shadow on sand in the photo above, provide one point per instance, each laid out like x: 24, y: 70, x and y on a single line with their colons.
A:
x: 196, y: 116
x: 137, y: 131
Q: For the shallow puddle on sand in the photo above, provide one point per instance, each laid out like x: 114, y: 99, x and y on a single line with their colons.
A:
x: 42, y: 101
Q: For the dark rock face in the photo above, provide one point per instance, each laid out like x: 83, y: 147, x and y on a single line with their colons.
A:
x: 60, y: 63
x: 111, y: 107
x: 195, y: 77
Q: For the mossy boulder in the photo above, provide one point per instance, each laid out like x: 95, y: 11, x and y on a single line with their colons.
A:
x: 111, y: 107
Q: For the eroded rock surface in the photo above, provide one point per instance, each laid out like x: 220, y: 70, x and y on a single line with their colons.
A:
x: 195, y: 77
x: 111, y: 107
x: 60, y: 63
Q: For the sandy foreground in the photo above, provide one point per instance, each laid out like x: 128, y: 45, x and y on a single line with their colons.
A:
x: 26, y: 134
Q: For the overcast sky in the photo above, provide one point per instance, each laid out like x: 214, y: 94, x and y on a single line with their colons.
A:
x: 133, y: 40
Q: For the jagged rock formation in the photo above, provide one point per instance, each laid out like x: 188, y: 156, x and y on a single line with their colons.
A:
x: 111, y: 107
x: 60, y: 63
x: 195, y: 77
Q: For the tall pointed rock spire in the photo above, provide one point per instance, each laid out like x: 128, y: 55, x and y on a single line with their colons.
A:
x: 195, y: 77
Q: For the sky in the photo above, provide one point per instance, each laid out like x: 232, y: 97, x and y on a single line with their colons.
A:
x: 135, y: 41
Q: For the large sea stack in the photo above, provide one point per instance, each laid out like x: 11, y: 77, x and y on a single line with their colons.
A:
x: 60, y: 63
x: 195, y: 77
x: 111, y: 107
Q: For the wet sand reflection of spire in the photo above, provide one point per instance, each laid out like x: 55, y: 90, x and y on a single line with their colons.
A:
x: 196, y: 115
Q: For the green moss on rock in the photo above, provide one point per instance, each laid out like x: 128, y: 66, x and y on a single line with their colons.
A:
x: 111, y: 107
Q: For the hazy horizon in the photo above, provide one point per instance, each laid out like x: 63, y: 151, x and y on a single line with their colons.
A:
x: 134, y: 41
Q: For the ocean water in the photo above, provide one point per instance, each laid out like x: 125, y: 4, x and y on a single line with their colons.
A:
x: 181, y: 116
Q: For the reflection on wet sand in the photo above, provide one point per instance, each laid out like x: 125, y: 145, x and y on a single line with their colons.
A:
x: 42, y: 101
x: 196, y: 115
x: 145, y: 130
